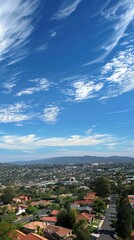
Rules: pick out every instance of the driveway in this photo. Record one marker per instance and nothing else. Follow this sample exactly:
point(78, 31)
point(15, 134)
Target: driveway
point(106, 231)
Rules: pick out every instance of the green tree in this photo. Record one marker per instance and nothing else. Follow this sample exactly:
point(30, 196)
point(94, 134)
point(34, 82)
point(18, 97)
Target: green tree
point(67, 218)
point(102, 187)
point(8, 195)
point(123, 224)
point(99, 206)
point(7, 231)
point(82, 230)
point(31, 210)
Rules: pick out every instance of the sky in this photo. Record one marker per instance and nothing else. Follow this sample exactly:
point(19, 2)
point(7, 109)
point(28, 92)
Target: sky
point(66, 78)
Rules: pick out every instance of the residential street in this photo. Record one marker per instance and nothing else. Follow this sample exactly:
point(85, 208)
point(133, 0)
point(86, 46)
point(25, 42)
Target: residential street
point(31, 218)
point(106, 231)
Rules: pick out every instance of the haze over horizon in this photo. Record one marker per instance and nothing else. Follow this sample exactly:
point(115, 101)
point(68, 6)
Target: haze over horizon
point(67, 78)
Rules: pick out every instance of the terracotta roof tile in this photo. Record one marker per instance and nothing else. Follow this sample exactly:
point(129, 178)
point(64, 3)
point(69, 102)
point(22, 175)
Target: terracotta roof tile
point(49, 219)
point(33, 225)
point(55, 212)
point(60, 231)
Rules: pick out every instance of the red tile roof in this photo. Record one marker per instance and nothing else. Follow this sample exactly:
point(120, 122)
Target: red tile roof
point(33, 225)
point(49, 219)
point(30, 236)
point(55, 212)
point(34, 236)
point(60, 231)
point(84, 202)
point(85, 216)
point(20, 235)
point(132, 235)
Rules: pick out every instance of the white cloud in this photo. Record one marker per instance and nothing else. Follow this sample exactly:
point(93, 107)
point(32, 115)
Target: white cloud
point(42, 48)
point(66, 9)
point(121, 16)
point(16, 25)
point(42, 84)
point(53, 34)
point(13, 113)
point(119, 73)
point(83, 88)
point(8, 86)
point(50, 114)
point(31, 141)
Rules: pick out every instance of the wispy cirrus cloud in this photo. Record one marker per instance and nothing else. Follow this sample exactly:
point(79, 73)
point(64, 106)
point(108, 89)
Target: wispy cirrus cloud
point(122, 15)
point(119, 17)
point(14, 113)
point(82, 88)
point(42, 48)
point(8, 86)
point(50, 114)
point(16, 26)
point(28, 142)
point(41, 84)
point(119, 73)
point(66, 9)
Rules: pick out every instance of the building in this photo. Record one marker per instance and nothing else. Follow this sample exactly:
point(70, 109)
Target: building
point(33, 226)
point(49, 220)
point(131, 200)
point(21, 199)
point(54, 213)
point(57, 232)
point(30, 236)
point(85, 216)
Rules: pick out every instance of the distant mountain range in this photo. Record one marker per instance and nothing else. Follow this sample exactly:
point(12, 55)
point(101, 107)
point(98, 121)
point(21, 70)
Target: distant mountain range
point(77, 160)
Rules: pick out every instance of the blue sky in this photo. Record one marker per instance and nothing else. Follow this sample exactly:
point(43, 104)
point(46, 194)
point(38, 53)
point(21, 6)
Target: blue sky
point(66, 78)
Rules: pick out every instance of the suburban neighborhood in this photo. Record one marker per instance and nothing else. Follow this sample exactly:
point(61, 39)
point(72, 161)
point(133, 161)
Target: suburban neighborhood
point(74, 206)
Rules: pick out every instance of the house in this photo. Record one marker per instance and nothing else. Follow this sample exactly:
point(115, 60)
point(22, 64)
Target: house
point(85, 216)
point(20, 235)
point(49, 220)
point(54, 213)
point(21, 199)
point(90, 196)
point(21, 209)
point(32, 226)
point(41, 202)
point(84, 202)
point(132, 235)
point(57, 232)
point(30, 236)
point(75, 205)
point(131, 200)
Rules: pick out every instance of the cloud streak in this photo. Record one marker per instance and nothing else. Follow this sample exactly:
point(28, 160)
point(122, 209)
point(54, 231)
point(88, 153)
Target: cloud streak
point(66, 9)
point(41, 84)
point(15, 28)
point(119, 17)
point(31, 141)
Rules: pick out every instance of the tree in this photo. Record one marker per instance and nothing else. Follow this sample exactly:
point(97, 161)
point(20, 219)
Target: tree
point(99, 206)
point(7, 231)
point(31, 210)
point(102, 187)
point(123, 224)
point(82, 230)
point(8, 195)
point(67, 218)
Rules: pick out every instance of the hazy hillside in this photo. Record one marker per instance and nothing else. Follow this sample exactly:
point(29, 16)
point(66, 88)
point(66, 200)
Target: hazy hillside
point(77, 160)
